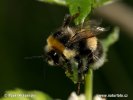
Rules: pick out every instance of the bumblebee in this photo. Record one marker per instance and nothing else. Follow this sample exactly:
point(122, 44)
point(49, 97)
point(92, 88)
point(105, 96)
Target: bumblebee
point(77, 44)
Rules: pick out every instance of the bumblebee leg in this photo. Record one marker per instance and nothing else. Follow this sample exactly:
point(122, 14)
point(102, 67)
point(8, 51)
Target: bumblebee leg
point(80, 74)
point(68, 18)
point(89, 60)
point(78, 87)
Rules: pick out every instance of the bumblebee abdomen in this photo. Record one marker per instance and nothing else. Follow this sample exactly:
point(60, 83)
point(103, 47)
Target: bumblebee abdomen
point(99, 50)
point(90, 54)
point(91, 43)
point(96, 59)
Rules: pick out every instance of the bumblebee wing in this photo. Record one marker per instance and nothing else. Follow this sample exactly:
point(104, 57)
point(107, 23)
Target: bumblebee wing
point(91, 23)
point(85, 34)
point(88, 29)
point(80, 35)
point(94, 26)
point(97, 30)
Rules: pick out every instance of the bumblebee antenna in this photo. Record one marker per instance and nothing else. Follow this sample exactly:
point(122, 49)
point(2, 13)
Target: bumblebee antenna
point(34, 57)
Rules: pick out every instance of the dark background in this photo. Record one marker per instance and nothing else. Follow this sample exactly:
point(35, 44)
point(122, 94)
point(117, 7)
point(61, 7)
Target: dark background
point(24, 27)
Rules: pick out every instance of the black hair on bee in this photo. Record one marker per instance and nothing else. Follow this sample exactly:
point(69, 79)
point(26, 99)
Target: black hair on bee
point(78, 44)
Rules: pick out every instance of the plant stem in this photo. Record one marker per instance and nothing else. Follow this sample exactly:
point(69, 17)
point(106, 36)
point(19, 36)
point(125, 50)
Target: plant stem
point(89, 85)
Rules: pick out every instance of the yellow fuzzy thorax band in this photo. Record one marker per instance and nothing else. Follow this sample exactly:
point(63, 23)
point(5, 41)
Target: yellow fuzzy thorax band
point(54, 43)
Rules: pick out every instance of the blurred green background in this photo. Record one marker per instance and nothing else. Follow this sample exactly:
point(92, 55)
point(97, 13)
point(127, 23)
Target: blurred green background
point(24, 27)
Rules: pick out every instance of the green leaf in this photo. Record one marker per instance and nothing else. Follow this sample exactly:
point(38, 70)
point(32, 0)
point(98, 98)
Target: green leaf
point(74, 76)
point(59, 2)
point(111, 39)
point(19, 94)
point(79, 6)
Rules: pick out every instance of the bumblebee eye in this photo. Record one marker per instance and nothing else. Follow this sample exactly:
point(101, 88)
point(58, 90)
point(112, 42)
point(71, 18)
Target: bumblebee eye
point(53, 56)
point(57, 34)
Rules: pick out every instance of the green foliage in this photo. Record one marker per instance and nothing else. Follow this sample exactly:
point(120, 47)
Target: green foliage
point(74, 76)
point(79, 6)
point(19, 94)
point(59, 2)
point(84, 7)
point(111, 39)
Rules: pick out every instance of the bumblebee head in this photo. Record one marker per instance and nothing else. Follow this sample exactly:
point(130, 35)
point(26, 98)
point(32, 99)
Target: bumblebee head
point(52, 57)
point(53, 49)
